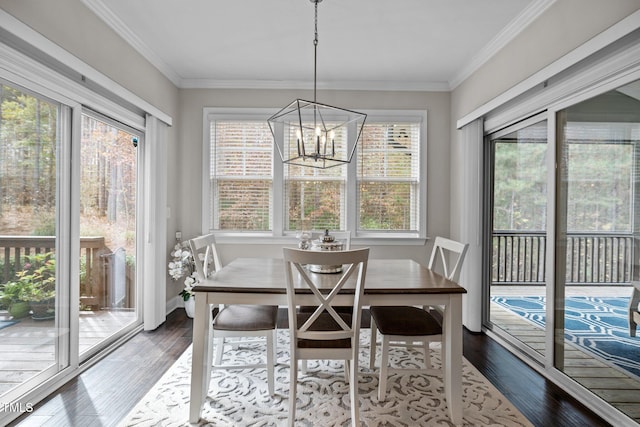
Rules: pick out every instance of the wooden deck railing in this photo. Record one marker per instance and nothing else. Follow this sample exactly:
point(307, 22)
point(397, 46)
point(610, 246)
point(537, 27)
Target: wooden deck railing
point(15, 252)
point(592, 258)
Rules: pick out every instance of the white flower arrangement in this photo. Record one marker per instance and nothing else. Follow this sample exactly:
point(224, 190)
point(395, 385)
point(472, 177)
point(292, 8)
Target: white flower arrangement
point(182, 265)
point(189, 283)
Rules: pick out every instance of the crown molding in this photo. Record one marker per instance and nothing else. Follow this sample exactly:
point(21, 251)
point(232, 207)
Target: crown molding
point(33, 44)
point(290, 84)
point(623, 60)
point(515, 27)
point(100, 8)
point(103, 12)
point(535, 9)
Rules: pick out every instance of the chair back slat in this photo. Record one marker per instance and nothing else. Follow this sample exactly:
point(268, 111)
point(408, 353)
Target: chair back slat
point(451, 255)
point(205, 255)
point(324, 287)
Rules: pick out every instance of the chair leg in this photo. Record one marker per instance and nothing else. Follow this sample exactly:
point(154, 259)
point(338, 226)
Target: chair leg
point(347, 368)
point(384, 369)
point(275, 346)
point(293, 385)
point(209, 356)
point(353, 391)
point(270, 361)
point(304, 366)
point(372, 346)
point(427, 354)
point(219, 350)
point(443, 353)
point(632, 325)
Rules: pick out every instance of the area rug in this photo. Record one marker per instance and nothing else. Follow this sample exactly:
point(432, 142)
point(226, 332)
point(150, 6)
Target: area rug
point(599, 325)
point(7, 323)
point(242, 399)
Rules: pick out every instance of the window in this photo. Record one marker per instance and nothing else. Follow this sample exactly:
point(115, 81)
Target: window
point(380, 194)
point(241, 175)
point(315, 198)
point(389, 177)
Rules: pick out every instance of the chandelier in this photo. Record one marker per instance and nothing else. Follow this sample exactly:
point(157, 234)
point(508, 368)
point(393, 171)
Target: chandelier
point(312, 134)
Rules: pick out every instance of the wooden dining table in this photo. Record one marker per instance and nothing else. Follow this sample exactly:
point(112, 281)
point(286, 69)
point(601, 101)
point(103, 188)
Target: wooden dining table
point(388, 282)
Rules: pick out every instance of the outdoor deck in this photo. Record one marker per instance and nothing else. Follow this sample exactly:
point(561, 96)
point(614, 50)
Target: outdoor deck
point(619, 389)
point(28, 346)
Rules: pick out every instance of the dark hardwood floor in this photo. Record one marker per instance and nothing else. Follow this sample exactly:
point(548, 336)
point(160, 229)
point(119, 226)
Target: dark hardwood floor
point(105, 393)
point(540, 400)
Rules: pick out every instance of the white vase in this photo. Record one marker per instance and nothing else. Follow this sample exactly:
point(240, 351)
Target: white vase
point(190, 306)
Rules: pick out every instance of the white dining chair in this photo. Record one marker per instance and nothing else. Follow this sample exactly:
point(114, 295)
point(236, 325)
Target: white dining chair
point(324, 333)
point(409, 326)
point(237, 320)
point(345, 238)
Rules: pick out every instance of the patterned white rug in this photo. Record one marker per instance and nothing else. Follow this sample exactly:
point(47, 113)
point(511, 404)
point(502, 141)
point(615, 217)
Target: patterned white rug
point(241, 397)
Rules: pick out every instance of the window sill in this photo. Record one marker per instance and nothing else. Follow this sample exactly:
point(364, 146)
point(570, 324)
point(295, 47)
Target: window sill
point(268, 239)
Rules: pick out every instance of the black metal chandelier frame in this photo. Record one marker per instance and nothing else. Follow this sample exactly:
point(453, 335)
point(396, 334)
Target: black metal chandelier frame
point(316, 126)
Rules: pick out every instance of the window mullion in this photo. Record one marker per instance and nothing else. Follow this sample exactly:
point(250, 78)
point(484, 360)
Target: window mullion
point(352, 186)
point(278, 189)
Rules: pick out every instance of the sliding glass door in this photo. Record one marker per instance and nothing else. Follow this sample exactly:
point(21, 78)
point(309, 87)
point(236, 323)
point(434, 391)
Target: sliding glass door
point(31, 332)
point(54, 186)
point(564, 241)
point(108, 183)
point(519, 205)
point(596, 259)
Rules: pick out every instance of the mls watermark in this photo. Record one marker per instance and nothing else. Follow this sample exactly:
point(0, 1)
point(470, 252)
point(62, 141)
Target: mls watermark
point(16, 407)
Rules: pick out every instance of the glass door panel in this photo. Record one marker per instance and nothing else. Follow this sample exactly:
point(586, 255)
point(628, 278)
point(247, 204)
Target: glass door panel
point(29, 151)
point(519, 193)
point(107, 232)
point(597, 221)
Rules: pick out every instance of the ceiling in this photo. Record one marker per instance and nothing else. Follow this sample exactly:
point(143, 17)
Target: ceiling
point(363, 44)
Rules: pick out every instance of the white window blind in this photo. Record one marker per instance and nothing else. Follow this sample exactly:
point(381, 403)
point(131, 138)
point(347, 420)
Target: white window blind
point(389, 177)
point(381, 194)
point(241, 175)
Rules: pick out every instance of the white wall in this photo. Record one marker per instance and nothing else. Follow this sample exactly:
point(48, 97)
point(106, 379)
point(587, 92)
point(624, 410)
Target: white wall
point(192, 102)
point(564, 26)
point(71, 25)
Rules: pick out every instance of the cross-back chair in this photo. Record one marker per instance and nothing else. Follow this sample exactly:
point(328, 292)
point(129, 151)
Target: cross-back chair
point(345, 238)
point(325, 333)
point(404, 326)
point(257, 321)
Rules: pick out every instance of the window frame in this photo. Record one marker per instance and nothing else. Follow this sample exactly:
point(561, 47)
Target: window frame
point(278, 234)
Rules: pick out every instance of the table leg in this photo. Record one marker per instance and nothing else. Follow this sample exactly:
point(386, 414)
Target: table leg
point(201, 357)
point(452, 349)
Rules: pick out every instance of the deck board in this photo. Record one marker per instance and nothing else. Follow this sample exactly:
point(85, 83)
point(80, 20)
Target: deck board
point(28, 346)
